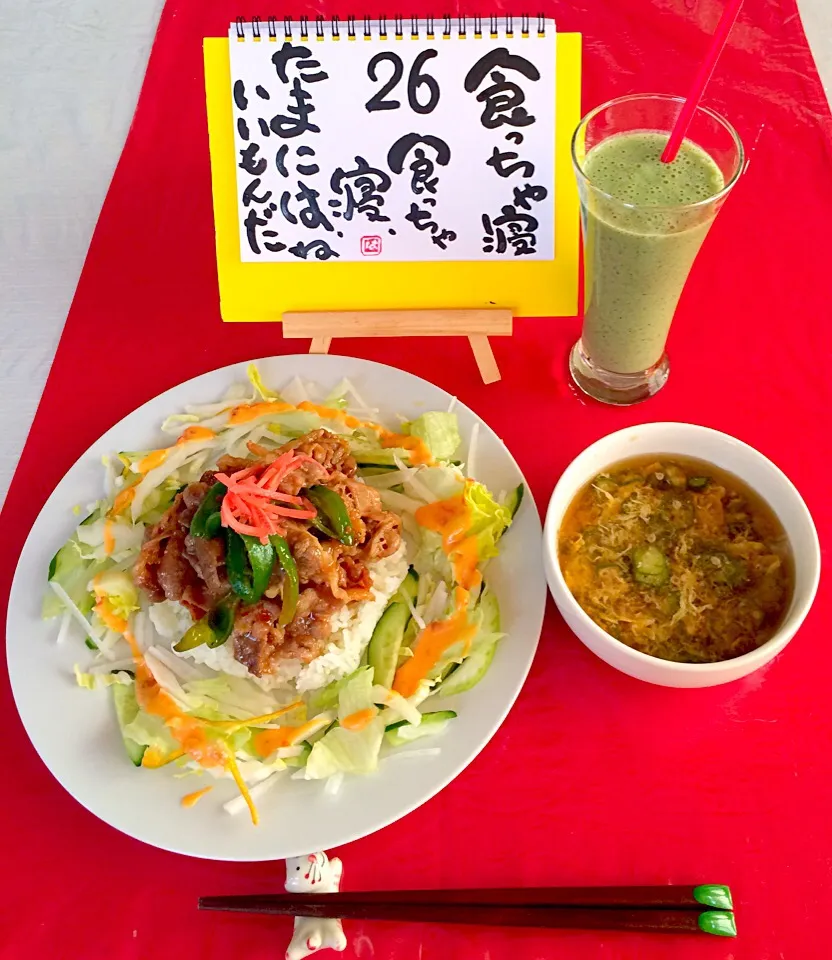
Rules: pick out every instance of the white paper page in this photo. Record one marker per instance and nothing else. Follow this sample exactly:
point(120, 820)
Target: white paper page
point(335, 165)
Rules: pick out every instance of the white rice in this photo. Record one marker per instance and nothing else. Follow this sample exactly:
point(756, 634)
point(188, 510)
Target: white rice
point(352, 629)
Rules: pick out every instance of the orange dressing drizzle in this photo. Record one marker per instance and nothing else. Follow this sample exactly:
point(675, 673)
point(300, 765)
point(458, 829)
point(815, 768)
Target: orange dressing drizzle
point(109, 538)
point(360, 719)
point(433, 641)
point(245, 412)
point(152, 460)
point(464, 559)
point(451, 519)
point(189, 732)
point(157, 457)
point(106, 615)
point(191, 798)
point(419, 453)
point(332, 413)
point(267, 741)
point(194, 433)
point(123, 499)
point(153, 757)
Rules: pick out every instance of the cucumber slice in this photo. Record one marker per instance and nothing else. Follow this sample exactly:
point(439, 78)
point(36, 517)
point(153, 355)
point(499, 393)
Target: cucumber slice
point(409, 586)
point(127, 709)
point(402, 732)
point(489, 607)
point(514, 499)
point(469, 673)
point(386, 641)
point(380, 458)
point(377, 471)
point(383, 651)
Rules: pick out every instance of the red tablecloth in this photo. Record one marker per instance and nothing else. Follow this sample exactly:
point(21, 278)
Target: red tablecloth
point(594, 777)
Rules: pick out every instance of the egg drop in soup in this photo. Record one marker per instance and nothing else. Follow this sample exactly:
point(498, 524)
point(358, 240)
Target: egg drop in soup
point(678, 559)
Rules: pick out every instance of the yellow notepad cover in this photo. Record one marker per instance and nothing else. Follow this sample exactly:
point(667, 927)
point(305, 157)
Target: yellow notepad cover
point(263, 291)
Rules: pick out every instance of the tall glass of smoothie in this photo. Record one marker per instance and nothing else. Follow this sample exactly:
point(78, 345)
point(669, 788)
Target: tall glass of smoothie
point(643, 224)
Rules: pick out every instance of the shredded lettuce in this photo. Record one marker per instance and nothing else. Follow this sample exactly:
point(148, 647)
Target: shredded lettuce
point(117, 587)
point(229, 698)
point(346, 751)
point(174, 423)
point(96, 681)
point(327, 697)
point(150, 731)
point(490, 519)
point(126, 539)
point(177, 457)
point(438, 431)
point(72, 572)
point(294, 423)
point(356, 694)
point(442, 481)
point(256, 381)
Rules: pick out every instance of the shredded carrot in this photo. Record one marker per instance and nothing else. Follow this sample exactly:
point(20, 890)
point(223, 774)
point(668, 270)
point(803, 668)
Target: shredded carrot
point(234, 770)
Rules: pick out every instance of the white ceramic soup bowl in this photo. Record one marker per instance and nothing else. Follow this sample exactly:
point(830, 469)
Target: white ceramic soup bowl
point(686, 440)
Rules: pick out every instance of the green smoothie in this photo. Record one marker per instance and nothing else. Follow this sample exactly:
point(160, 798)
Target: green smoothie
point(638, 257)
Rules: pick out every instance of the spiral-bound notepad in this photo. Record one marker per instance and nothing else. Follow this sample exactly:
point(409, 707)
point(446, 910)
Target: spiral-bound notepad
point(368, 141)
point(408, 163)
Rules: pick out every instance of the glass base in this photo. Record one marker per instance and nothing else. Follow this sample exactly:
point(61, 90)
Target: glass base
point(618, 388)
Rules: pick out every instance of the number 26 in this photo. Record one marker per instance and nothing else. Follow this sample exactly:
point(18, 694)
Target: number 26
point(415, 80)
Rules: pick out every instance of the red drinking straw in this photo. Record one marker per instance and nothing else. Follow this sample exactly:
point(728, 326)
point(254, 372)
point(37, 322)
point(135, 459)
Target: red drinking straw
point(703, 75)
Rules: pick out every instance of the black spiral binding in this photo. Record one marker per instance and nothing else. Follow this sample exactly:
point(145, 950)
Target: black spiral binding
point(459, 26)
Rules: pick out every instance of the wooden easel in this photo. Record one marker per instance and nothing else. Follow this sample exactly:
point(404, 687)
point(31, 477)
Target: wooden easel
point(477, 325)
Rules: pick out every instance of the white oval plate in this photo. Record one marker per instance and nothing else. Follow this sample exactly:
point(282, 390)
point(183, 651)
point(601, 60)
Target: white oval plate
point(75, 732)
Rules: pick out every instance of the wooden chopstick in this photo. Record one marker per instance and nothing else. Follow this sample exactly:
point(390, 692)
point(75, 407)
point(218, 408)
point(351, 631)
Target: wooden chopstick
point(679, 897)
point(505, 908)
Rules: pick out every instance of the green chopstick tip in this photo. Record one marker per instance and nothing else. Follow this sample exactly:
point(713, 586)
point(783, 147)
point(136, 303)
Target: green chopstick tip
point(718, 922)
point(715, 895)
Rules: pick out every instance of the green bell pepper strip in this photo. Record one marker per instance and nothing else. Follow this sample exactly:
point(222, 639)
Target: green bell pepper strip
point(214, 628)
point(249, 565)
point(334, 511)
point(203, 524)
point(291, 584)
point(198, 634)
point(213, 525)
point(221, 620)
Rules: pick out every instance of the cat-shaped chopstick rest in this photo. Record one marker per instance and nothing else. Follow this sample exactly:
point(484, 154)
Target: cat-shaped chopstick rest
point(315, 873)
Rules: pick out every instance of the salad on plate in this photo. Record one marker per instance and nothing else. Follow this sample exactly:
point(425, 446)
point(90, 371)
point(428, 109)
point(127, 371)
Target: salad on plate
point(281, 590)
